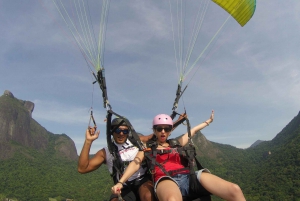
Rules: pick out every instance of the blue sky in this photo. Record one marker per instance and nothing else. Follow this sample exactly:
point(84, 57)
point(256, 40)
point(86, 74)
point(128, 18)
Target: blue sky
point(250, 76)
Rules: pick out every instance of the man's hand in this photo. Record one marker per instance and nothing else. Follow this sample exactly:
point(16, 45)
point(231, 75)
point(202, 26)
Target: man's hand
point(91, 134)
point(182, 116)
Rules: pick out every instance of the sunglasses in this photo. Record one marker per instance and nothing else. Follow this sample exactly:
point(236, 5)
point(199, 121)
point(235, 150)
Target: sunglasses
point(159, 129)
point(125, 131)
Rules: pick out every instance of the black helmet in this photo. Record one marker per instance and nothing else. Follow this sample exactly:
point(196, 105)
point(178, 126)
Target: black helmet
point(116, 121)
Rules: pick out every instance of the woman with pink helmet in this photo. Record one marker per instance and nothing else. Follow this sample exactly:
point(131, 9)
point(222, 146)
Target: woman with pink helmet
point(170, 175)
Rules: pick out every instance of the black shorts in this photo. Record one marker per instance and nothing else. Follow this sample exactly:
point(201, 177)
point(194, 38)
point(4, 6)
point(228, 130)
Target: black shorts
point(130, 192)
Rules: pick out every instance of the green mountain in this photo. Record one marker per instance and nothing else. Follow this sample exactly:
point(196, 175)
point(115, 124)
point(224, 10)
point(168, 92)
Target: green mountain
point(268, 171)
point(36, 164)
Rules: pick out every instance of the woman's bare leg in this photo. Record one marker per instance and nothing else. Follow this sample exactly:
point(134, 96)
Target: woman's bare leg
point(221, 188)
point(168, 190)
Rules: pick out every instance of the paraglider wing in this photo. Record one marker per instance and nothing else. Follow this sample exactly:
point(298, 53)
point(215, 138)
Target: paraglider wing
point(240, 10)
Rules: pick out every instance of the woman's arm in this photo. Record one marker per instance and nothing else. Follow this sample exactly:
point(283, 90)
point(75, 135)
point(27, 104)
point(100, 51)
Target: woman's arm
point(130, 170)
point(184, 139)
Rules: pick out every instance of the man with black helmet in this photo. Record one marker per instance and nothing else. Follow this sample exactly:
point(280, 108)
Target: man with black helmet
point(139, 186)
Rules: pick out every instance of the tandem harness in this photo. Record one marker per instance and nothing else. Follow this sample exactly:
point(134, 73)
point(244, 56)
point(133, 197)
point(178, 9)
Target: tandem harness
point(119, 165)
point(187, 155)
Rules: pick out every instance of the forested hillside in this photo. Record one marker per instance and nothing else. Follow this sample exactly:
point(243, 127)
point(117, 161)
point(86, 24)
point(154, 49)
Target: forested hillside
point(38, 165)
point(36, 177)
point(268, 171)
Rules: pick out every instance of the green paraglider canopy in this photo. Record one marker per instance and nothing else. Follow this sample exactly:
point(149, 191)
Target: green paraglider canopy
point(240, 10)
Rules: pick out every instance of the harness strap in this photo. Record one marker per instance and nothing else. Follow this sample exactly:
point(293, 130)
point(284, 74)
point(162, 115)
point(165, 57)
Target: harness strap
point(164, 151)
point(108, 133)
point(102, 83)
point(178, 95)
point(153, 160)
point(181, 119)
point(174, 172)
point(136, 181)
point(116, 159)
point(118, 166)
point(92, 119)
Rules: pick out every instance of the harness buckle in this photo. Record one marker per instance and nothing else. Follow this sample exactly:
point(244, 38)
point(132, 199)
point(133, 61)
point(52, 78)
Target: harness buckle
point(160, 151)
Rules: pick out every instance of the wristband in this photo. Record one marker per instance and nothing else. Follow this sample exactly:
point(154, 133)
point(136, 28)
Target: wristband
point(206, 123)
point(121, 183)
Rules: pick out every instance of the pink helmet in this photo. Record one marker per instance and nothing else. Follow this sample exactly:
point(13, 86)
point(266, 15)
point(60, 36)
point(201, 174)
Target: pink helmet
point(162, 119)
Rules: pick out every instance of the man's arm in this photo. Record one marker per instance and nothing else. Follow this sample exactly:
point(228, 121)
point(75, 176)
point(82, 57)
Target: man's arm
point(85, 164)
point(146, 138)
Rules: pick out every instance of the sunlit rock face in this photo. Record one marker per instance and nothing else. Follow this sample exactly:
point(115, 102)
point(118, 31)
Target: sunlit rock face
point(19, 129)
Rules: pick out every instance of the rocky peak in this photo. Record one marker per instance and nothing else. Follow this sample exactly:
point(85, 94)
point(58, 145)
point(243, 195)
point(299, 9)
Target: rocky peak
point(8, 93)
point(17, 127)
point(27, 104)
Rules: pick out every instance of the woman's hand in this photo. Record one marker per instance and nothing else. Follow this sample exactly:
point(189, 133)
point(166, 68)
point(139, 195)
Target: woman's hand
point(212, 116)
point(116, 189)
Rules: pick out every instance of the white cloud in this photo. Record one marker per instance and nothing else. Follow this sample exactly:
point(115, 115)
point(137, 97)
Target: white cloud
point(60, 112)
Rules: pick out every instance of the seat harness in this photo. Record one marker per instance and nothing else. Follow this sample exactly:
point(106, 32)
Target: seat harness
point(188, 159)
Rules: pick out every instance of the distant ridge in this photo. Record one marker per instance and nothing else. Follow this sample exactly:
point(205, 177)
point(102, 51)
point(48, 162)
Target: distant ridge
point(257, 142)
